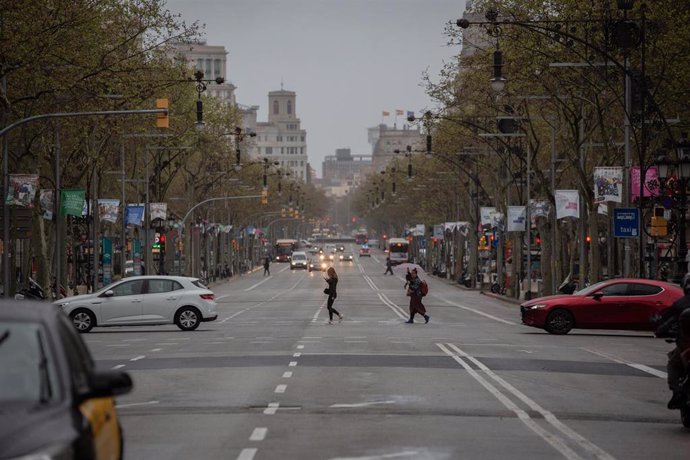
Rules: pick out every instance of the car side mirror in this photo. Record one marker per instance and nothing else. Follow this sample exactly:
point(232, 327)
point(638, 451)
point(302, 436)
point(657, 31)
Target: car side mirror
point(598, 295)
point(108, 293)
point(108, 383)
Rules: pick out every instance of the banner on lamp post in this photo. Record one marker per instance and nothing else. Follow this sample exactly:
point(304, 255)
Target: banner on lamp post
point(108, 209)
point(21, 190)
point(134, 215)
point(567, 204)
point(608, 184)
point(651, 182)
point(485, 214)
point(158, 210)
point(46, 200)
point(517, 218)
point(72, 202)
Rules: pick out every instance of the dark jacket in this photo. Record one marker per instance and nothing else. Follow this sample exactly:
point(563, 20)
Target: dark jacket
point(669, 320)
point(332, 283)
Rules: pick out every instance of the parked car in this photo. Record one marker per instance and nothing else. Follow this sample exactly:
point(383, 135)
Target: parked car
point(298, 260)
point(627, 304)
point(346, 257)
point(364, 251)
point(54, 403)
point(143, 300)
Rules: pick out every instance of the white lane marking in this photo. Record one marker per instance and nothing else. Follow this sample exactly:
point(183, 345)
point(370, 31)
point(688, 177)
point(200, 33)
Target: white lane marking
point(305, 337)
point(364, 404)
point(137, 358)
point(553, 440)
point(280, 388)
point(247, 454)
point(640, 367)
point(356, 341)
point(134, 340)
point(259, 434)
point(297, 355)
point(292, 363)
point(167, 343)
point(353, 338)
point(370, 282)
point(148, 403)
point(118, 345)
point(591, 448)
point(407, 453)
point(315, 318)
point(495, 318)
point(287, 375)
point(258, 284)
point(118, 366)
point(272, 408)
point(156, 349)
point(397, 310)
point(300, 347)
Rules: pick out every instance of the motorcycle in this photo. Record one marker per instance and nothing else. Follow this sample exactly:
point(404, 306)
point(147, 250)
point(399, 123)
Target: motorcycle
point(34, 291)
point(465, 279)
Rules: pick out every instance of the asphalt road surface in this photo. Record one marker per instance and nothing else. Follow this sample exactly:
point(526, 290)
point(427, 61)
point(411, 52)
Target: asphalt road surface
point(271, 380)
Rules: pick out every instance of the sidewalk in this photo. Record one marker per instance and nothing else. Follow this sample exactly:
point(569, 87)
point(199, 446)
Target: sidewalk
point(480, 290)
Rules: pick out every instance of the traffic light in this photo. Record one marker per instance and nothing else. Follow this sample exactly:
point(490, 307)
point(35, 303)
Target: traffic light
point(659, 223)
point(537, 239)
point(162, 119)
point(161, 242)
point(282, 212)
point(264, 196)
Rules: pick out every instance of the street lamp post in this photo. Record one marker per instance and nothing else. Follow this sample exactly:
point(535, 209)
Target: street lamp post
point(678, 191)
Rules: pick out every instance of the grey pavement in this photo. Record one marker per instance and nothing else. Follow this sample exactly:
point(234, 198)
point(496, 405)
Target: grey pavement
point(271, 380)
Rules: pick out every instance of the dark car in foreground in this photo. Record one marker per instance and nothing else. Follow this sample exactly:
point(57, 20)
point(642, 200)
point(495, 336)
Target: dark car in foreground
point(626, 304)
point(53, 403)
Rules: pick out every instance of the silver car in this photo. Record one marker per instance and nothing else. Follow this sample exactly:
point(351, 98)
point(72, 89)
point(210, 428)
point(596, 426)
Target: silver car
point(143, 300)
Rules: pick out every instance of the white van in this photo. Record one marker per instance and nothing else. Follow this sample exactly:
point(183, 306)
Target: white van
point(299, 260)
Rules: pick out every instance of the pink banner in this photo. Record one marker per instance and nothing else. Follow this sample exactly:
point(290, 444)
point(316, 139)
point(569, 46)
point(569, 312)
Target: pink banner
point(651, 183)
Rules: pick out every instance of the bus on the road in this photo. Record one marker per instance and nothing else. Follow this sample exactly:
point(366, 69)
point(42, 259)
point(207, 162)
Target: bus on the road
point(398, 250)
point(284, 249)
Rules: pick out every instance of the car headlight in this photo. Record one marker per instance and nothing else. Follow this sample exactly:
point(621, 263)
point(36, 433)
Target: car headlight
point(536, 306)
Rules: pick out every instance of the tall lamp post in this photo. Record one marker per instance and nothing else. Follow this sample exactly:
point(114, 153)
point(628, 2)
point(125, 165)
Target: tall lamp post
point(679, 192)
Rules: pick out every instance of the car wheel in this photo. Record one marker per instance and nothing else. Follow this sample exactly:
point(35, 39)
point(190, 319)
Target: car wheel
point(83, 320)
point(559, 322)
point(187, 318)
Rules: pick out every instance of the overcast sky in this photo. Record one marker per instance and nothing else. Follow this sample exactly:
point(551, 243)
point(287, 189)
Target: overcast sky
point(347, 60)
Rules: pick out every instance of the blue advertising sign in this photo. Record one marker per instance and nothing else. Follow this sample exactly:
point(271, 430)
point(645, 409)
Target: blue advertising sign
point(626, 222)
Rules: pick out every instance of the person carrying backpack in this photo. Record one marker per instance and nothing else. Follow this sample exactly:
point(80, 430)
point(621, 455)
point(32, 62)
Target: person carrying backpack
point(416, 290)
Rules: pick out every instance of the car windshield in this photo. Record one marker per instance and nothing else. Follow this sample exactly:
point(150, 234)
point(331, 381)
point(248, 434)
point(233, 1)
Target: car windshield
point(299, 257)
point(27, 370)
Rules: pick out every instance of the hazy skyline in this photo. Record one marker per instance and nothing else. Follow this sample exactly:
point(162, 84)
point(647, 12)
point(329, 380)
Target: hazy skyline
point(347, 60)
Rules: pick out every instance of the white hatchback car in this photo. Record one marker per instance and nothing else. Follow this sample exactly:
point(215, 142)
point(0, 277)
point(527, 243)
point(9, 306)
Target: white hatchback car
point(143, 300)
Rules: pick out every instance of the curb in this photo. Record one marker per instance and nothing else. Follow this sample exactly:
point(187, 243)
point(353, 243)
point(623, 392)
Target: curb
point(501, 297)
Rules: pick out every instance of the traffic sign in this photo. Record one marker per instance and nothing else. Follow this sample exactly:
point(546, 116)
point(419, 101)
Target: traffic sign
point(626, 222)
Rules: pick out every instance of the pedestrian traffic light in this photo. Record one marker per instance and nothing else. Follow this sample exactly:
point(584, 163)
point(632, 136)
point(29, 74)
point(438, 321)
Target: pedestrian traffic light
point(161, 242)
point(162, 119)
point(537, 239)
point(264, 196)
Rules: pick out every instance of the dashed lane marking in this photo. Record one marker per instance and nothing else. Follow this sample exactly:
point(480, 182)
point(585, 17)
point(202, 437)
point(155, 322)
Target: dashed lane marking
point(247, 454)
point(272, 408)
point(259, 434)
point(287, 374)
point(147, 403)
point(156, 349)
point(280, 388)
point(292, 363)
point(118, 366)
point(137, 358)
point(300, 347)
point(297, 355)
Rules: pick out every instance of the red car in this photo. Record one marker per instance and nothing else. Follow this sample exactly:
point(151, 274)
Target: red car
point(364, 252)
point(629, 304)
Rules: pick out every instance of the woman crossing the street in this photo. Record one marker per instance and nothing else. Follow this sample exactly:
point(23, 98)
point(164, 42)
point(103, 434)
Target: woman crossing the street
point(332, 281)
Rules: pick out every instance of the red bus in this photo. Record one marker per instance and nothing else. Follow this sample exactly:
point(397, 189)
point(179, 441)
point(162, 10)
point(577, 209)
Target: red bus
point(284, 249)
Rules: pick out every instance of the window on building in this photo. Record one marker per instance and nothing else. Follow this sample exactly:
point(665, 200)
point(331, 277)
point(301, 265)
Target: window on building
point(200, 64)
point(216, 68)
point(289, 107)
point(301, 150)
point(282, 150)
point(269, 150)
point(301, 163)
point(279, 138)
point(208, 71)
point(302, 138)
point(275, 107)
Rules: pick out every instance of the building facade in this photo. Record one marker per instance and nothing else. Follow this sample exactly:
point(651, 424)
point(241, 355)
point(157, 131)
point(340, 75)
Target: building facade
point(388, 140)
point(281, 138)
point(344, 167)
point(212, 61)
